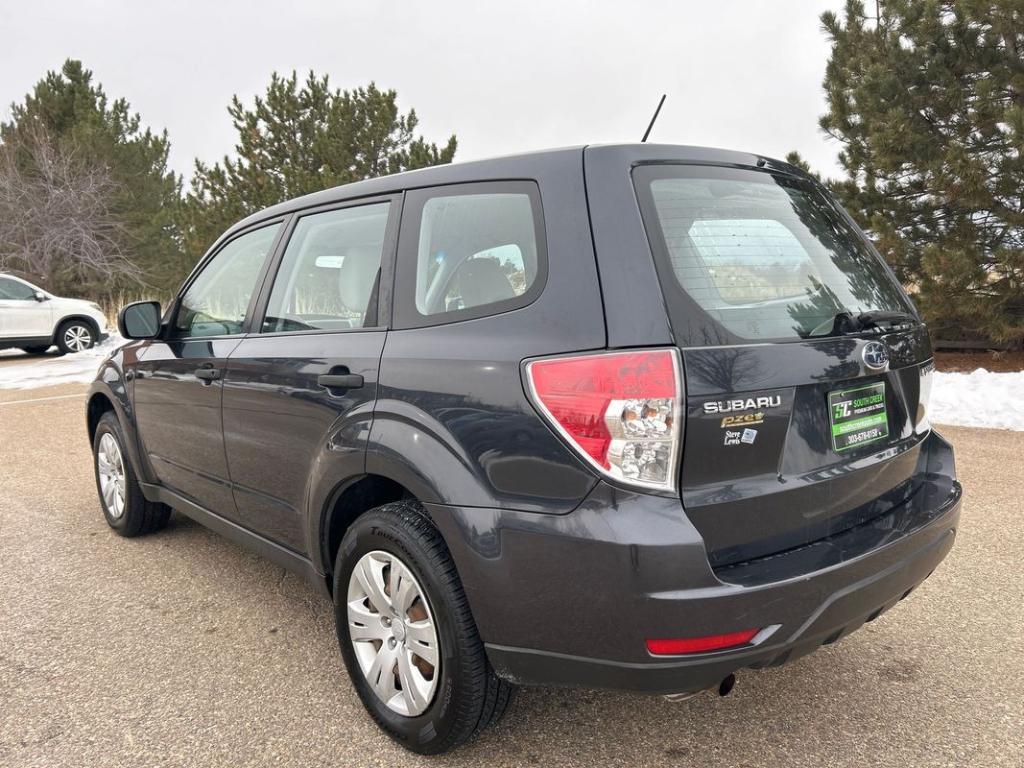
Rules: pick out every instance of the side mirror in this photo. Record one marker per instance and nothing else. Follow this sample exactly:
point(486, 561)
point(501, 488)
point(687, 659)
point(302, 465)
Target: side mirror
point(40, 296)
point(140, 320)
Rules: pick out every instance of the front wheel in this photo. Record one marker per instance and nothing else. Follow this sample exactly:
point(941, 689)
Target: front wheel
point(75, 336)
point(125, 508)
point(406, 633)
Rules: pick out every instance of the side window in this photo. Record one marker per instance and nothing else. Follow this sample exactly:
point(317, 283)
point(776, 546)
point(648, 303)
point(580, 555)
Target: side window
point(329, 270)
point(478, 251)
point(217, 300)
point(12, 289)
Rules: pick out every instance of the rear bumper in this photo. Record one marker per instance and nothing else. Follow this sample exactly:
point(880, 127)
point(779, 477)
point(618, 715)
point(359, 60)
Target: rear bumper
point(843, 611)
point(570, 599)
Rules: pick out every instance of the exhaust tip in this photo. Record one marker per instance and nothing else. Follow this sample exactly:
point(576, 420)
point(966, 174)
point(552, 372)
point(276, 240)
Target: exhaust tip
point(727, 684)
point(724, 689)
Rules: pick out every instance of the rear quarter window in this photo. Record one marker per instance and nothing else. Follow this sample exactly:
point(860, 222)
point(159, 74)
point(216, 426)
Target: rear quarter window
point(469, 250)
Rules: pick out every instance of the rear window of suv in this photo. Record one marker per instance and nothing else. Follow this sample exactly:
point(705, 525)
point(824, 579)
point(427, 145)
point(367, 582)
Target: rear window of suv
point(748, 255)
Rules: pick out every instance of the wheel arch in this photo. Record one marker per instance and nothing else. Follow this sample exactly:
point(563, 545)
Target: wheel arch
point(405, 459)
point(348, 501)
point(98, 404)
point(109, 393)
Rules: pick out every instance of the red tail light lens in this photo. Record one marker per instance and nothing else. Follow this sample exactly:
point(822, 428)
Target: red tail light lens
point(621, 411)
point(679, 646)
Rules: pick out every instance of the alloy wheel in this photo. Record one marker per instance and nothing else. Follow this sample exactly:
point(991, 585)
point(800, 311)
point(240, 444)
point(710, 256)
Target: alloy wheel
point(77, 338)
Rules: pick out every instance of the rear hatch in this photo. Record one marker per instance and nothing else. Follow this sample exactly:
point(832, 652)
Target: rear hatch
point(804, 361)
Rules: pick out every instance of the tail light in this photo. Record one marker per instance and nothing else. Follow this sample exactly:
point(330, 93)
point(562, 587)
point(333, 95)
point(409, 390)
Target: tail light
point(621, 411)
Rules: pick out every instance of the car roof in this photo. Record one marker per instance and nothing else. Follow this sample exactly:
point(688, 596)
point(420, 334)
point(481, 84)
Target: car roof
point(450, 173)
point(507, 167)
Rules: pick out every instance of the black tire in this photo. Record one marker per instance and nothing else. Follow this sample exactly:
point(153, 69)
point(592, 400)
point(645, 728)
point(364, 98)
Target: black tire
point(36, 350)
point(81, 329)
point(469, 695)
point(138, 515)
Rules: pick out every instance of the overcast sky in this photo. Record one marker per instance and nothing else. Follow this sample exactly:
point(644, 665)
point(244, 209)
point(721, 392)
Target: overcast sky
point(504, 77)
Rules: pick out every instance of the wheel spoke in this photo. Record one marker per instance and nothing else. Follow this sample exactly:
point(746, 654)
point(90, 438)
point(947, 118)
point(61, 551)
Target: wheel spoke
point(370, 573)
point(382, 673)
point(422, 640)
point(403, 588)
point(415, 696)
point(363, 624)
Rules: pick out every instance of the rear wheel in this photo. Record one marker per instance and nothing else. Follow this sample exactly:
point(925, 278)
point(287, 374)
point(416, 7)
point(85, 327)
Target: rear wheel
point(75, 336)
point(407, 635)
point(127, 511)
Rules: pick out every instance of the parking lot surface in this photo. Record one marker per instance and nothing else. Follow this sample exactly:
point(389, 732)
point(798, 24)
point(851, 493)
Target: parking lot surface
point(185, 649)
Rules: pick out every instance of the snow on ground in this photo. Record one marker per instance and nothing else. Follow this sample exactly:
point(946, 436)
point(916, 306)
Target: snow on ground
point(21, 371)
point(977, 399)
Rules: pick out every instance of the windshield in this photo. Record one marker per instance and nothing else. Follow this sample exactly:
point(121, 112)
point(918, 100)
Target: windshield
point(751, 255)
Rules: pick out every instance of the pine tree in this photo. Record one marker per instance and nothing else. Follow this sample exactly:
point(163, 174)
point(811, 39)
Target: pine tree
point(927, 100)
point(301, 138)
point(103, 137)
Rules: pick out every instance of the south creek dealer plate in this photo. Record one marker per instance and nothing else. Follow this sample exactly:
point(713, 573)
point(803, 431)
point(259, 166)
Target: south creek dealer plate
point(858, 416)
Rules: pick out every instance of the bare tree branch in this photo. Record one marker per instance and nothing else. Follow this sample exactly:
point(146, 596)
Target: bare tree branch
point(55, 213)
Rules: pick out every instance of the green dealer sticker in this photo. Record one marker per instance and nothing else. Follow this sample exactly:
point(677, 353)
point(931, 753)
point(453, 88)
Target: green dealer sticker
point(858, 416)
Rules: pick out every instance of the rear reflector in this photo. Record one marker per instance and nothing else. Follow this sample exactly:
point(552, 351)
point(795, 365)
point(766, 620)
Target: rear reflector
point(678, 646)
point(620, 411)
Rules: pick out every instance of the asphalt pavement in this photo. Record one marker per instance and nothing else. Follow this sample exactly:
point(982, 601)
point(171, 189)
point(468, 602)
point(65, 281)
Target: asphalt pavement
point(184, 649)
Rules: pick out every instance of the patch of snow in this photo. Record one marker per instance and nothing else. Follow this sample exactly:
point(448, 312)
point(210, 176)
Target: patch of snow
point(50, 369)
point(978, 399)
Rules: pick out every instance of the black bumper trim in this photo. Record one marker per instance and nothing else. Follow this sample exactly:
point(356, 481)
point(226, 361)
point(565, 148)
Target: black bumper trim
point(917, 513)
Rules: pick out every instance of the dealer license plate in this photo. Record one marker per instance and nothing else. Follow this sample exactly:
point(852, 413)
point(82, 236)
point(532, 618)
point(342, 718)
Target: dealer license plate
point(858, 416)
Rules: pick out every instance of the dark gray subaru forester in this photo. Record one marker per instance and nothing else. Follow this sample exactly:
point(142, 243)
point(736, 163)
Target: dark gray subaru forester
point(619, 416)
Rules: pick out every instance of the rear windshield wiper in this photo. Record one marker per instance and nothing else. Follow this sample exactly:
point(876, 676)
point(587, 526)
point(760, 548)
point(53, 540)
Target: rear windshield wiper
point(846, 322)
point(875, 317)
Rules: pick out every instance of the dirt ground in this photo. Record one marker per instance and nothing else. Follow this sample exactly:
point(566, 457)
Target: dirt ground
point(182, 649)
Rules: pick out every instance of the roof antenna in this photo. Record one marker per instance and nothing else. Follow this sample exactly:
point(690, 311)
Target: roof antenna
point(651, 124)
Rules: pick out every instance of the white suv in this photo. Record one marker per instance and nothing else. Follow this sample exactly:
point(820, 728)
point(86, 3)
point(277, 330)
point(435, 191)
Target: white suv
point(35, 320)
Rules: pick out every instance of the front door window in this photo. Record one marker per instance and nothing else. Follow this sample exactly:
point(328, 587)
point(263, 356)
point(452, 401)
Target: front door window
point(216, 302)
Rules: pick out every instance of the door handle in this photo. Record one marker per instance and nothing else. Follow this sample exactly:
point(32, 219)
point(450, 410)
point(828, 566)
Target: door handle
point(208, 374)
point(339, 381)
